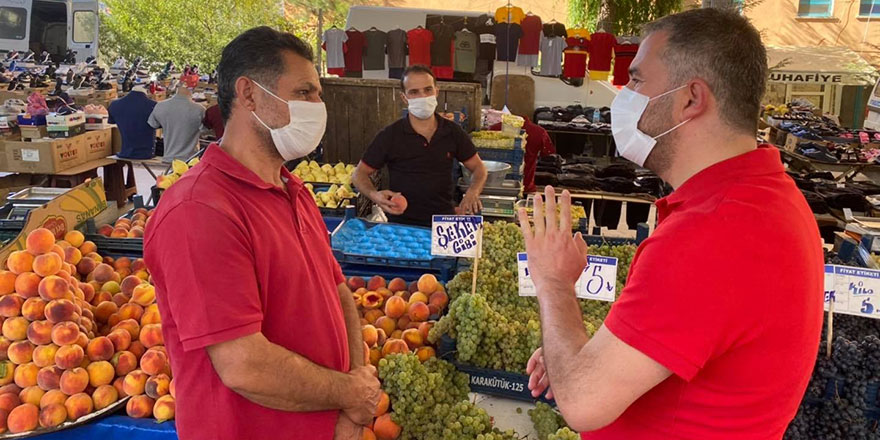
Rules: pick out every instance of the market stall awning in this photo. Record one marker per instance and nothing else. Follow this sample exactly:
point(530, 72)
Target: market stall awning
point(819, 65)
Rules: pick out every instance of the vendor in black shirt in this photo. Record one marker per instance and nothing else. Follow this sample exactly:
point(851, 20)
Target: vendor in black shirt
point(419, 150)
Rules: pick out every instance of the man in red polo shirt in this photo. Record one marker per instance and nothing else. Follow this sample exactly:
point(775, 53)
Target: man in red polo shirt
point(716, 332)
point(263, 335)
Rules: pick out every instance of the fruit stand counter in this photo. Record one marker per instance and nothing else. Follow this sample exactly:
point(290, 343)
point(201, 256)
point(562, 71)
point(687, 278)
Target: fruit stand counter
point(117, 428)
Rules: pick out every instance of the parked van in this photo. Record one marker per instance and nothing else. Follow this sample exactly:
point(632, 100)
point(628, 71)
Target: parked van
point(55, 26)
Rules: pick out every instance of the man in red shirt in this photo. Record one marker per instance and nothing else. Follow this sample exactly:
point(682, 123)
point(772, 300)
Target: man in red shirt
point(538, 144)
point(263, 335)
point(716, 332)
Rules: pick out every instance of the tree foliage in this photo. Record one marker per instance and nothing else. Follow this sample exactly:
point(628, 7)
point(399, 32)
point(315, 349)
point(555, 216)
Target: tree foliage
point(620, 17)
point(188, 32)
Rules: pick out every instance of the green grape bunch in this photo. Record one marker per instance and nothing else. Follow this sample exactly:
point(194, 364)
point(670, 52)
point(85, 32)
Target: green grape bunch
point(496, 328)
point(546, 420)
point(430, 401)
point(564, 434)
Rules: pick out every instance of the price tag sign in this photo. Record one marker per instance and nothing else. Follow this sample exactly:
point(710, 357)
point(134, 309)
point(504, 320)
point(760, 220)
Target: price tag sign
point(455, 235)
point(526, 286)
point(854, 290)
point(599, 280)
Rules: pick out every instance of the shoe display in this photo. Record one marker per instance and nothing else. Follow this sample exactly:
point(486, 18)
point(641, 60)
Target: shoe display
point(91, 61)
point(11, 55)
point(69, 57)
point(45, 58)
point(69, 78)
point(28, 57)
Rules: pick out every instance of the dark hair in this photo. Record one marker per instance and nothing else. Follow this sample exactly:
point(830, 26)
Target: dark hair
point(256, 53)
point(725, 50)
point(416, 68)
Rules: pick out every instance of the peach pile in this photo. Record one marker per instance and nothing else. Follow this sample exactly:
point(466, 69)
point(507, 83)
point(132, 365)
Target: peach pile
point(76, 329)
point(396, 318)
point(128, 228)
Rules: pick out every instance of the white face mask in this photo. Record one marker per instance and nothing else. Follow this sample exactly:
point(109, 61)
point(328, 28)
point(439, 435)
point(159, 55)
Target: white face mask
point(304, 131)
point(422, 108)
point(626, 111)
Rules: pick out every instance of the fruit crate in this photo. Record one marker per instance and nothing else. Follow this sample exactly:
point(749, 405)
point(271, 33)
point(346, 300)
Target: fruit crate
point(487, 381)
point(443, 267)
point(513, 157)
point(131, 247)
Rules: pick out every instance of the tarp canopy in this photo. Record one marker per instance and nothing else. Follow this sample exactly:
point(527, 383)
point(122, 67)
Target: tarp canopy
point(819, 65)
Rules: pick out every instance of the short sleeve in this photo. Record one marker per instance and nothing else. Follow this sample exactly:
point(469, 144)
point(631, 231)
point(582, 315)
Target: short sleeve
point(681, 311)
point(110, 119)
point(153, 120)
point(377, 152)
point(464, 146)
point(209, 303)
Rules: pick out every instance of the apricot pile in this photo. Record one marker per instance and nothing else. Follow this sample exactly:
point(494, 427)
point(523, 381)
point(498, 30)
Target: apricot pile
point(75, 327)
point(128, 228)
point(396, 318)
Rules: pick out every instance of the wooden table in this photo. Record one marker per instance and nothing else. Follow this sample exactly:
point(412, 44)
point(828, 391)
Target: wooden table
point(116, 187)
point(145, 163)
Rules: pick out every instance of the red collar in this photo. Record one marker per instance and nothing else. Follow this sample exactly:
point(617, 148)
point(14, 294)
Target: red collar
point(761, 161)
point(220, 159)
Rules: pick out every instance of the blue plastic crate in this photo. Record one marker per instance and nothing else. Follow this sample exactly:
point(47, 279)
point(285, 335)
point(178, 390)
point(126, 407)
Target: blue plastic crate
point(351, 246)
point(487, 381)
point(513, 157)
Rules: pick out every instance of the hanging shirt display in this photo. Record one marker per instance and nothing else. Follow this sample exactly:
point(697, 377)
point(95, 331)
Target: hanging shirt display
point(531, 35)
point(395, 46)
point(507, 36)
point(486, 30)
point(441, 47)
point(623, 57)
point(374, 54)
point(575, 58)
point(355, 53)
point(333, 41)
point(601, 47)
point(466, 48)
point(554, 29)
point(513, 14)
point(551, 55)
point(419, 42)
point(578, 33)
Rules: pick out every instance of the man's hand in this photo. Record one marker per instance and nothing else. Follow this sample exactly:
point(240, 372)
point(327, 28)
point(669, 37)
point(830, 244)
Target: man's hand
point(365, 394)
point(470, 204)
point(383, 199)
point(556, 259)
point(537, 371)
point(346, 429)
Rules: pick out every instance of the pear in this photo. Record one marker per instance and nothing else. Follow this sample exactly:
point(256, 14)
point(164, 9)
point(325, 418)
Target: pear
point(193, 162)
point(314, 165)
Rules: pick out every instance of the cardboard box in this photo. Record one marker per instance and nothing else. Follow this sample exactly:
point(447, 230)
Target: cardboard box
point(27, 119)
point(61, 131)
point(791, 142)
point(45, 157)
point(82, 100)
point(18, 94)
point(98, 144)
point(62, 215)
point(106, 95)
point(54, 120)
point(31, 132)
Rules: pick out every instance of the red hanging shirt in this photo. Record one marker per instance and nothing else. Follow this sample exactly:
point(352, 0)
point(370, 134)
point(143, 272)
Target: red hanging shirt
point(623, 57)
point(735, 314)
point(354, 54)
point(530, 42)
point(419, 41)
point(601, 46)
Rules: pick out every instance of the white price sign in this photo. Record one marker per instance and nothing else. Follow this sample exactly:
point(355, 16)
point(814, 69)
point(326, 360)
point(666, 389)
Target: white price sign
point(455, 235)
point(597, 282)
point(854, 290)
point(526, 286)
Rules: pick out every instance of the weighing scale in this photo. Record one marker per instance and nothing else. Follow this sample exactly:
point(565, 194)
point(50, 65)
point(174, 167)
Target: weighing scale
point(498, 201)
